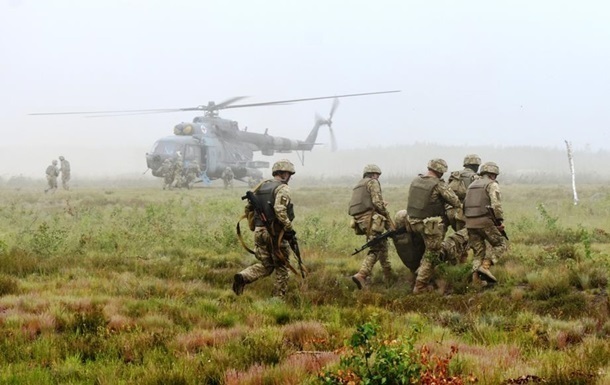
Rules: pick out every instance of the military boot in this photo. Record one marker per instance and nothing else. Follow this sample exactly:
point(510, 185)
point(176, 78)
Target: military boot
point(359, 280)
point(420, 286)
point(484, 272)
point(238, 284)
point(476, 280)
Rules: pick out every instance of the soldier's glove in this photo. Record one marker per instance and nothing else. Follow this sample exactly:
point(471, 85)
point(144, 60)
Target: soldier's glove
point(501, 225)
point(289, 235)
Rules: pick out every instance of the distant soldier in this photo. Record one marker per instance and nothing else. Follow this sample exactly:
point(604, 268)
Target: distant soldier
point(273, 196)
point(481, 194)
point(167, 171)
point(65, 172)
point(227, 177)
point(428, 195)
point(178, 169)
point(459, 182)
point(52, 173)
point(370, 217)
point(192, 172)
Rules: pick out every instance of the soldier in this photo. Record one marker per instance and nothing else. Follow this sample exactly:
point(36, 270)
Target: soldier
point(167, 171)
point(273, 196)
point(52, 172)
point(459, 182)
point(227, 177)
point(410, 250)
point(481, 194)
point(65, 173)
point(370, 218)
point(428, 195)
point(178, 168)
point(192, 172)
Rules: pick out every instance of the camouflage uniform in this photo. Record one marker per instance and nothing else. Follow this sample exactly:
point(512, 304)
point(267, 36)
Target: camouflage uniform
point(410, 249)
point(459, 182)
point(428, 195)
point(227, 177)
point(192, 173)
point(482, 193)
point(167, 171)
point(52, 172)
point(65, 173)
point(370, 218)
point(266, 245)
point(454, 248)
point(178, 169)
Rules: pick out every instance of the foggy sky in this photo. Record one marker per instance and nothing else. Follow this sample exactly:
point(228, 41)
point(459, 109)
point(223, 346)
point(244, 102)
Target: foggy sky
point(472, 73)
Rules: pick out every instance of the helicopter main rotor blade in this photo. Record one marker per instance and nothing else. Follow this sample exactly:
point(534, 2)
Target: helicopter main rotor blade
point(308, 99)
point(210, 106)
point(154, 110)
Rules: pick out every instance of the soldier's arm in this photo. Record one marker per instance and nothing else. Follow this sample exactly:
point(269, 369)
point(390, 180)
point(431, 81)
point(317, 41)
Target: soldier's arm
point(448, 195)
point(493, 189)
point(282, 200)
point(374, 189)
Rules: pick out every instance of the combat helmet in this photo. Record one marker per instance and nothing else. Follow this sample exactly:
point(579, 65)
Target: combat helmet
point(438, 165)
point(489, 168)
point(61, 157)
point(283, 165)
point(472, 159)
point(371, 169)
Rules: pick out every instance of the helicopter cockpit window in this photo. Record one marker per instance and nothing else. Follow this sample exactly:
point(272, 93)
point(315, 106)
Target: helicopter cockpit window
point(164, 148)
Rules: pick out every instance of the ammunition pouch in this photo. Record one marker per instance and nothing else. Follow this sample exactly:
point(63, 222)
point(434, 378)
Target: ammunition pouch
point(378, 224)
point(433, 226)
point(354, 225)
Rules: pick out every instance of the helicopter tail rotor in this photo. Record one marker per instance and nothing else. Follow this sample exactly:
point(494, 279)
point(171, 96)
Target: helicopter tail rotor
point(320, 121)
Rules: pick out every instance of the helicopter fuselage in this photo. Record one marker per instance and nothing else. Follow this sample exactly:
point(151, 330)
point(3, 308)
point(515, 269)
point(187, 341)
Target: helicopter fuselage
point(216, 143)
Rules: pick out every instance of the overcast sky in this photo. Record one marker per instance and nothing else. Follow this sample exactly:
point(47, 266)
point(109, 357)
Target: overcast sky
point(471, 72)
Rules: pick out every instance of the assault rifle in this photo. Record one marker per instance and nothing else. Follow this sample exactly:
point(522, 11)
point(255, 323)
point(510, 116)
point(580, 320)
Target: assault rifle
point(496, 221)
point(268, 225)
point(381, 237)
point(294, 245)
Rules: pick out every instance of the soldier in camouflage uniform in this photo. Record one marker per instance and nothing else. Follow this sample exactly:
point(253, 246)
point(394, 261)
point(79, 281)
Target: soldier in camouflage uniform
point(273, 196)
point(428, 195)
point(227, 177)
point(167, 171)
point(482, 193)
point(192, 172)
point(370, 217)
point(52, 172)
point(178, 170)
point(459, 182)
point(65, 173)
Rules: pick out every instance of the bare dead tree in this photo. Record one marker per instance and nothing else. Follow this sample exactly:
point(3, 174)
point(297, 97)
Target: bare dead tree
point(571, 160)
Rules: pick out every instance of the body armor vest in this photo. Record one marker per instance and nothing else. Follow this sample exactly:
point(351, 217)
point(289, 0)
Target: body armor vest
point(361, 199)
point(467, 177)
point(477, 200)
point(265, 196)
point(419, 205)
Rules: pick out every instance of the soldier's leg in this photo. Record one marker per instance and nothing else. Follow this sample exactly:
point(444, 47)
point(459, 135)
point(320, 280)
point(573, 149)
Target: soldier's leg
point(480, 265)
point(281, 271)
point(264, 268)
point(432, 232)
point(497, 241)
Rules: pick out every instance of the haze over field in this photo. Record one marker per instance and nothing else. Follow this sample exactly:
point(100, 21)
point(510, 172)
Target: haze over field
point(475, 75)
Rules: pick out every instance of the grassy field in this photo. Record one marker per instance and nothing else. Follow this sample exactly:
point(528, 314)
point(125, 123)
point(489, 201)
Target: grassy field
point(120, 285)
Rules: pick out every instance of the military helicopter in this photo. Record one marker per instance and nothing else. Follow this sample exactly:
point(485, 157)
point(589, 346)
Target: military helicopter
point(215, 143)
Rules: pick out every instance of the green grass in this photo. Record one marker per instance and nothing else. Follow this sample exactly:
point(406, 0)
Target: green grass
point(133, 286)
